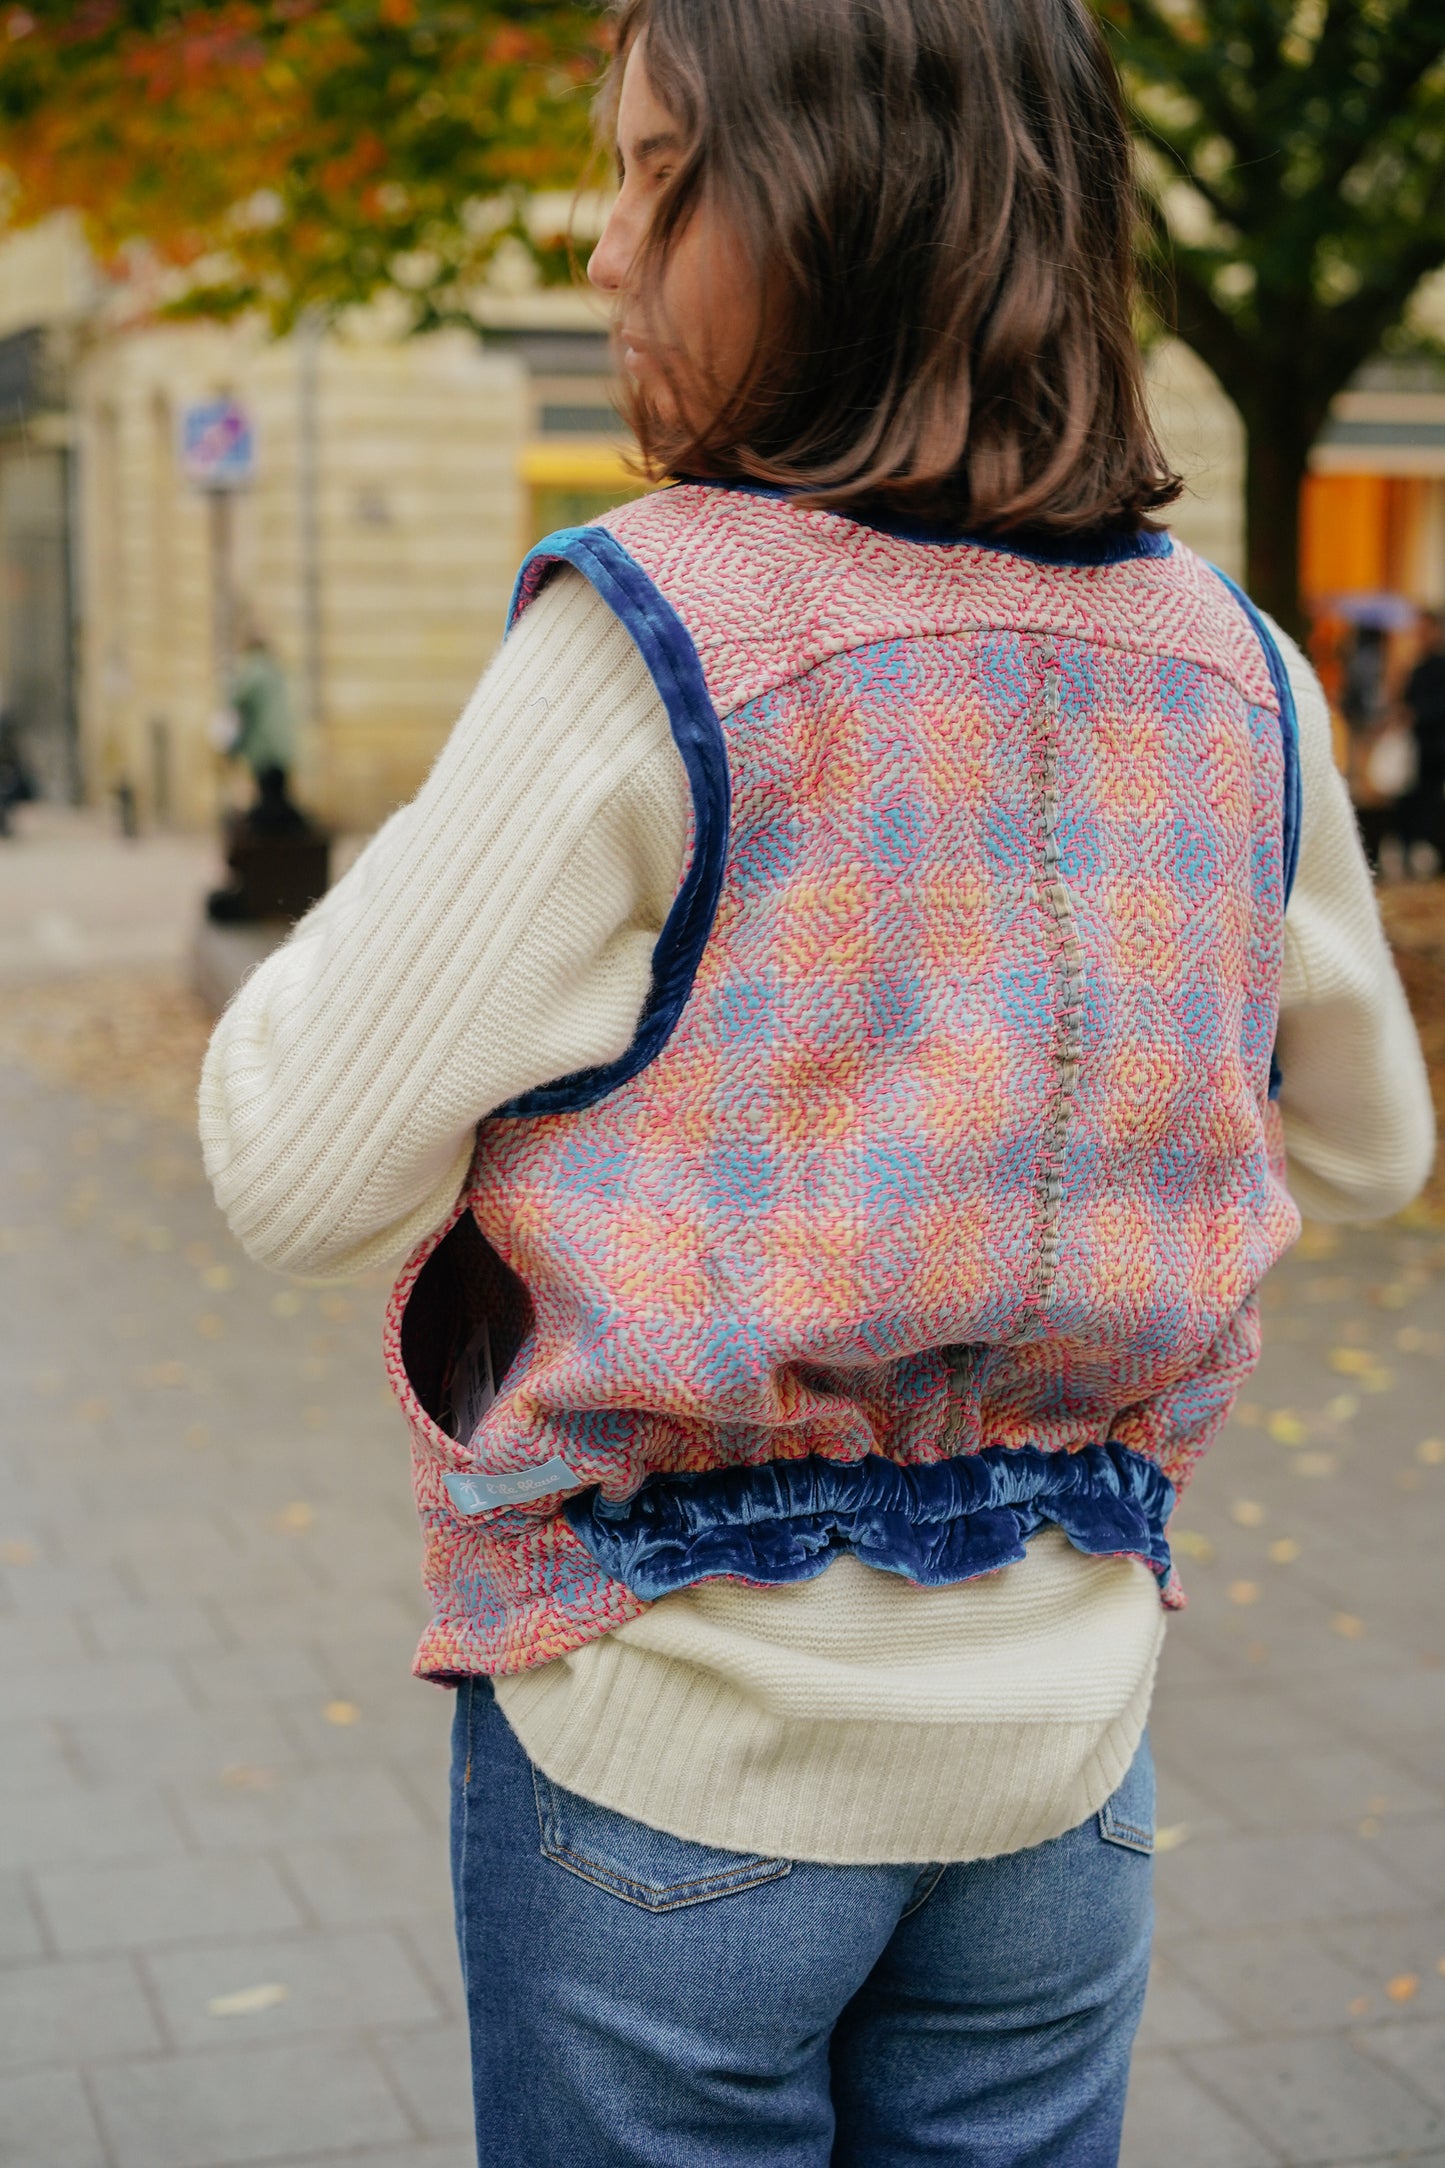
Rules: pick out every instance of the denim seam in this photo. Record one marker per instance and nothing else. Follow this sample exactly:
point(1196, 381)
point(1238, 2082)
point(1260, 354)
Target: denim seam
point(463, 1935)
point(1129, 1836)
point(663, 1896)
point(692, 1890)
point(920, 1901)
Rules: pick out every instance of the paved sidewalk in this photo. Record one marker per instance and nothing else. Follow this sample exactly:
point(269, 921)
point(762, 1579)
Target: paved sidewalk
point(224, 1932)
point(76, 896)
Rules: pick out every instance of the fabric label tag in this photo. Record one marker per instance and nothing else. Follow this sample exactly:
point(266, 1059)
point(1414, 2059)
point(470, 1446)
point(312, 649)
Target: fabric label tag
point(512, 1487)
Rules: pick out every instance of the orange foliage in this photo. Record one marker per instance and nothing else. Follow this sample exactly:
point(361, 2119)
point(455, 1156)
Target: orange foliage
point(299, 147)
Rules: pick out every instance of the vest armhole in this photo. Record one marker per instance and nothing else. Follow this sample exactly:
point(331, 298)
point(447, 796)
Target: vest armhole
point(1288, 729)
point(1289, 742)
point(672, 662)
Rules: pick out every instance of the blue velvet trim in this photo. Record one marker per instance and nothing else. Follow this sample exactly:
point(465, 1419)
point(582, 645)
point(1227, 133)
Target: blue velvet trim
point(949, 1521)
point(1289, 736)
point(672, 660)
point(1098, 547)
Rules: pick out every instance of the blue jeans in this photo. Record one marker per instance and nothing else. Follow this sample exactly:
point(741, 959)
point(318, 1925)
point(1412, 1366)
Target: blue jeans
point(637, 1999)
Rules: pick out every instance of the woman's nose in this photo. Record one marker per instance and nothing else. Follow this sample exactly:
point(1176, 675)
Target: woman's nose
point(607, 265)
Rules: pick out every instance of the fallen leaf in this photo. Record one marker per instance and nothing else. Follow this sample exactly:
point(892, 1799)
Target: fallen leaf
point(1407, 1479)
point(1370, 1826)
point(91, 1411)
point(1284, 1551)
point(198, 1434)
point(1173, 1834)
point(159, 1239)
point(248, 1776)
point(316, 1418)
point(297, 1515)
point(1378, 1805)
point(210, 1325)
point(219, 1278)
point(1243, 1592)
point(286, 1304)
point(1346, 1624)
point(341, 1712)
point(1192, 1545)
point(1286, 1428)
point(1247, 1511)
point(1314, 1464)
point(1257, 1653)
point(336, 1307)
point(1351, 1362)
point(1249, 1413)
point(1404, 1987)
point(1378, 1380)
point(167, 1373)
point(247, 2001)
point(18, 1554)
point(1342, 1407)
point(1430, 1452)
point(48, 1381)
point(1360, 2007)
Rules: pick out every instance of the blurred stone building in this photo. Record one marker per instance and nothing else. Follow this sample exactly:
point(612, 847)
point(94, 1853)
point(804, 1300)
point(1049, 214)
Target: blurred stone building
point(394, 486)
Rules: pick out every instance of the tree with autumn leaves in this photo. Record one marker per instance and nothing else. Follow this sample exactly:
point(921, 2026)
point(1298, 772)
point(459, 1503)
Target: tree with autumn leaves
point(300, 155)
point(306, 154)
point(1293, 160)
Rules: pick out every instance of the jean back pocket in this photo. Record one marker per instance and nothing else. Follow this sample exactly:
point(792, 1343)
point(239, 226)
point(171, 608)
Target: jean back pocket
point(646, 1867)
point(1127, 1816)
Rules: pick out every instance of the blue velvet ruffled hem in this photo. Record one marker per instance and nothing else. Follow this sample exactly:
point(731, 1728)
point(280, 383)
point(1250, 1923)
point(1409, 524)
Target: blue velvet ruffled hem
point(948, 1521)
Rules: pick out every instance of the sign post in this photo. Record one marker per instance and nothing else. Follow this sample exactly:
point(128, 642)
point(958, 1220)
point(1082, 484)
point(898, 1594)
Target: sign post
point(218, 455)
point(218, 445)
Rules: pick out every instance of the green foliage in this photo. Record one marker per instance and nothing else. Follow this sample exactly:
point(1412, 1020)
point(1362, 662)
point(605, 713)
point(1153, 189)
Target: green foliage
point(1293, 153)
point(301, 154)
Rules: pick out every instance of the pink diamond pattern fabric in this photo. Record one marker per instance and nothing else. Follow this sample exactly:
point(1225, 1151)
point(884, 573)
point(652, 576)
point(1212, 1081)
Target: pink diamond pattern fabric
point(956, 1154)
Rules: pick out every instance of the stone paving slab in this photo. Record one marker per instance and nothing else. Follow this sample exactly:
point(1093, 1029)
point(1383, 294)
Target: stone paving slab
point(216, 1773)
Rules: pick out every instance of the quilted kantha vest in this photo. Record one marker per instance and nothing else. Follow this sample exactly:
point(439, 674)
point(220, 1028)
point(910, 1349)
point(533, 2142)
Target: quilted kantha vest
point(929, 1203)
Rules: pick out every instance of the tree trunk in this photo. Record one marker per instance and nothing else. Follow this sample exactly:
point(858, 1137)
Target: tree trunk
point(1276, 461)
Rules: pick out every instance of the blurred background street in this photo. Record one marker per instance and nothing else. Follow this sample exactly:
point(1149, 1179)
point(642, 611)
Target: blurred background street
point(294, 366)
point(224, 1918)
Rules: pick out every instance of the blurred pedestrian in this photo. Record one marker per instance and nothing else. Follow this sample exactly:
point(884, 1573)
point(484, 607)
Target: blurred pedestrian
point(265, 735)
point(17, 785)
point(814, 1034)
point(1422, 700)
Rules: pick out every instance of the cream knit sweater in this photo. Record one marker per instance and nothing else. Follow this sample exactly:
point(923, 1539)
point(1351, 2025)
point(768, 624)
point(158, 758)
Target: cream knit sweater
point(497, 933)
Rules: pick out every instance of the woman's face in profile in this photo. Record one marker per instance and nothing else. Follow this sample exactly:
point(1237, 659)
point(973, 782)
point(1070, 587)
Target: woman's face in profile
point(687, 344)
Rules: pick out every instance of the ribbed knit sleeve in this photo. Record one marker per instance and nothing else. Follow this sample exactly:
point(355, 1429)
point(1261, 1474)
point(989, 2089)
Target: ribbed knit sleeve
point(495, 934)
point(1358, 1124)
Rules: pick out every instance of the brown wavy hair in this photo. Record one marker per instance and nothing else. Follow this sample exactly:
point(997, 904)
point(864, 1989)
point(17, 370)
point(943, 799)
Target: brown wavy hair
point(936, 200)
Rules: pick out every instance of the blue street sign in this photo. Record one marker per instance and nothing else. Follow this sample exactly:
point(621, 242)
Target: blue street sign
point(218, 445)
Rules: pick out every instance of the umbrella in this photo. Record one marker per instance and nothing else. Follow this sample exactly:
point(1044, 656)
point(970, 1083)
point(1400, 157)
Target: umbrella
point(1384, 612)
